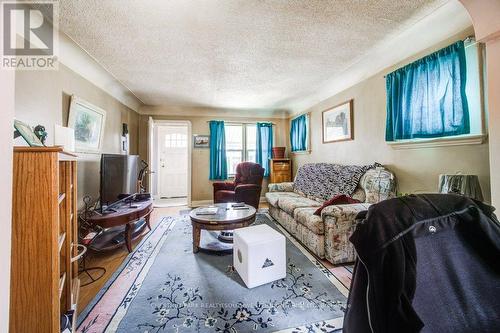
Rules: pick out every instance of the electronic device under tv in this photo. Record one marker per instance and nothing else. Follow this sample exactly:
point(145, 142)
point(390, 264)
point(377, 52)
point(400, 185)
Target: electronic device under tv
point(119, 175)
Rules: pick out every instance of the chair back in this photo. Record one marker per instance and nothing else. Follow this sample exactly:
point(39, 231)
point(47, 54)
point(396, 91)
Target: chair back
point(249, 173)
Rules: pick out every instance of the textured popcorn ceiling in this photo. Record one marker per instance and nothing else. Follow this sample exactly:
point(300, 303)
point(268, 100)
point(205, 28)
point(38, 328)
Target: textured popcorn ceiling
point(234, 54)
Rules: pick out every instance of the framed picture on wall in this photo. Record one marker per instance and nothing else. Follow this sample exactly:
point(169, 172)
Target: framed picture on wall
point(201, 141)
point(338, 123)
point(88, 122)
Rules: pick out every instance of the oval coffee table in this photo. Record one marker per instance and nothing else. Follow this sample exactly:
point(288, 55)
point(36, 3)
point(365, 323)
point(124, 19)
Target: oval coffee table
point(227, 218)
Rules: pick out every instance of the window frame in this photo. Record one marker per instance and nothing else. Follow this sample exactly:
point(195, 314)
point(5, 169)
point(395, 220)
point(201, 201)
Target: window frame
point(244, 151)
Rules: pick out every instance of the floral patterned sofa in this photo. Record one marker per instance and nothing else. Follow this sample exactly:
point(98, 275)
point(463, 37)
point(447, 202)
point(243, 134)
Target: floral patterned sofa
point(327, 235)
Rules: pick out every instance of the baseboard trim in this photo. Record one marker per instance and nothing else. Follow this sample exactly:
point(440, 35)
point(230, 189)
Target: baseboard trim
point(198, 203)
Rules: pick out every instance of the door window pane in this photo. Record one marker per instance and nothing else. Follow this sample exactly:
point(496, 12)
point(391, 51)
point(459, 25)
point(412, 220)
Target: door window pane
point(176, 140)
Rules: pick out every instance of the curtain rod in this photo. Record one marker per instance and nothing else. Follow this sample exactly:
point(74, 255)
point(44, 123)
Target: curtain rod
point(471, 39)
point(243, 122)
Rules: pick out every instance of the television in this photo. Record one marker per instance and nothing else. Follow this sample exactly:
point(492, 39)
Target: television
point(119, 175)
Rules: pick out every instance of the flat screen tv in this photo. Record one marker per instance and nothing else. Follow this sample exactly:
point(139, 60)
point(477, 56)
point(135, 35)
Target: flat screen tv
point(119, 175)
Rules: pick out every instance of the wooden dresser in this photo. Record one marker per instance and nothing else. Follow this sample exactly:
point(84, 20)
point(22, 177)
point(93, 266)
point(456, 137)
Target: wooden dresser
point(44, 281)
point(281, 170)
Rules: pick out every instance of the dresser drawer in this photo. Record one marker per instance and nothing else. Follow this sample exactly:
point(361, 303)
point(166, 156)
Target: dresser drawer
point(281, 178)
point(281, 166)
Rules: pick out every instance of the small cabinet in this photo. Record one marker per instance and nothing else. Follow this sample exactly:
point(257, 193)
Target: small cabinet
point(281, 170)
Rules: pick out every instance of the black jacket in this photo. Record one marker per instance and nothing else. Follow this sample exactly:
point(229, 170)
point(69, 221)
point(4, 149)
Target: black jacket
point(426, 262)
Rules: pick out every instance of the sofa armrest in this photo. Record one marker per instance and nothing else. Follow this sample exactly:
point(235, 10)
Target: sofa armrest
point(223, 186)
point(343, 214)
point(339, 223)
point(280, 187)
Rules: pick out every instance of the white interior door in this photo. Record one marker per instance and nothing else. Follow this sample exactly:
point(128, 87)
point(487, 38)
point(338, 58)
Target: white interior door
point(172, 164)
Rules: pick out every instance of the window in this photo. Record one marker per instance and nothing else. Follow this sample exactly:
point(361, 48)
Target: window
point(427, 100)
point(251, 139)
point(176, 140)
point(299, 133)
point(240, 144)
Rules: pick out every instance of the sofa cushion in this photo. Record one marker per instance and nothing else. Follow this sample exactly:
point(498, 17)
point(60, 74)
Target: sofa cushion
point(273, 197)
point(280, 187)
point(308, 219)
point(340, 199)
point(289, 204)
point(322, 181)
point(359, 194)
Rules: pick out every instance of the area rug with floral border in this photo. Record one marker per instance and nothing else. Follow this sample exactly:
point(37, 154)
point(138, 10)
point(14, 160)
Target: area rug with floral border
point(163, 287)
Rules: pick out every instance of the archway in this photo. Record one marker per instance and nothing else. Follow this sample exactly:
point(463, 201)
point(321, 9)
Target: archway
point(485, 15)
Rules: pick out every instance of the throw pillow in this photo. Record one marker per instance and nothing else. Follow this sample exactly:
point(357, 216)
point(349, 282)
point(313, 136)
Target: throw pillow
point(379, 184)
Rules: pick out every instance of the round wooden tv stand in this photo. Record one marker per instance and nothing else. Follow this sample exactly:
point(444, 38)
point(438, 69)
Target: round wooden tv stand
point(128, 215)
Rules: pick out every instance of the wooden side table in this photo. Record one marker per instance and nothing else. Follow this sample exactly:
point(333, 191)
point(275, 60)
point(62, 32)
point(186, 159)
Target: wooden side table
point(227, 218)
point(281, 170)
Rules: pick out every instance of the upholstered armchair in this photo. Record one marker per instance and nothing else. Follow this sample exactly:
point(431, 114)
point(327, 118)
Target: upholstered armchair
point(246, 187)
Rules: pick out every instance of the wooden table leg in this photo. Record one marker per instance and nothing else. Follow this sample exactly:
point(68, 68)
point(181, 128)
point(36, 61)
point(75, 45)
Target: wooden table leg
point(196, 238)
point(128, 237)
point(147, 218)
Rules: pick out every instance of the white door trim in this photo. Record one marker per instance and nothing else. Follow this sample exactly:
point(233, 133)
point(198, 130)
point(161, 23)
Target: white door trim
point(151, 163)
point(156, 122)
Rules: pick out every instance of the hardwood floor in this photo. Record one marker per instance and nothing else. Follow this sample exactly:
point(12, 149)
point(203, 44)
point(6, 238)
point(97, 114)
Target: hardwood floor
point(111, 261)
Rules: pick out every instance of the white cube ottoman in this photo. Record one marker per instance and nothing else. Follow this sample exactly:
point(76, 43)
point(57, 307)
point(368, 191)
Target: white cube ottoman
point(259, 255)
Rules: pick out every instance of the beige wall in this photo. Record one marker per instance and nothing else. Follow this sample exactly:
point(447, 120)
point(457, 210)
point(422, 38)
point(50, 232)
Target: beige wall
point(201, 186)
point(43, 97)
point(417, 170)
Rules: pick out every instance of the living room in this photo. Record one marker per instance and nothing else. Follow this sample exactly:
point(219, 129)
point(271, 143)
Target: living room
point(197, 166)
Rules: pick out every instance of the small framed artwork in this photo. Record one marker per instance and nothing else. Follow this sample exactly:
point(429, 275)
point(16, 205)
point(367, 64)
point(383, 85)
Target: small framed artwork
point(27, 133)
point(201, 141)
point(88, 122)
point(338, 123)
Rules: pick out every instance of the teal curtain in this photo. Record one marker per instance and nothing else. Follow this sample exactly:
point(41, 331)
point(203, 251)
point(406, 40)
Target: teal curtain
point(218, 162)
point(264, 146)
point(426, 99)
point(298, 133)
